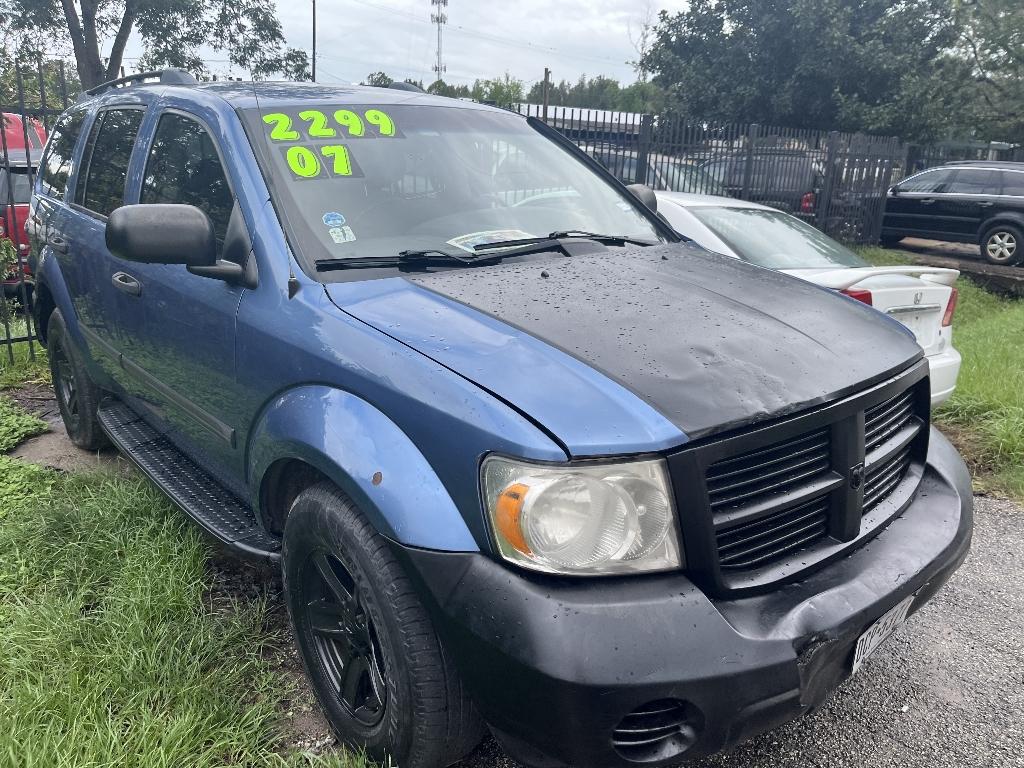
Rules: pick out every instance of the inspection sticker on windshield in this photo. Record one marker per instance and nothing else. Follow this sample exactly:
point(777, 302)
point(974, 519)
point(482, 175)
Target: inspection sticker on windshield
point(877, 633)
point(470, 241)
point(341, 234)
point(333, 219)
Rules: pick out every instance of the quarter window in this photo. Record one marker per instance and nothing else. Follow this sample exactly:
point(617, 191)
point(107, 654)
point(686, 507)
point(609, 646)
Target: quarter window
point(56, 165)
point(1013, 183)
point(975, 181)
point(184, 167)
point(109, 152)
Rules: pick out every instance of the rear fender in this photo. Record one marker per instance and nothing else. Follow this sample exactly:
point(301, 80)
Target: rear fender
point(366, 455)
point(1004, 217)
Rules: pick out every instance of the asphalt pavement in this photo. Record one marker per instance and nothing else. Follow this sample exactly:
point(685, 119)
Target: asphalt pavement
point(947, 690)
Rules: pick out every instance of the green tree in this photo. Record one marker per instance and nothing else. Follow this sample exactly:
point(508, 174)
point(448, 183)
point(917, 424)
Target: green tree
point(992, 42)
point(501, 90)
point(379, 79)
point(873, 65)
point(172, 31)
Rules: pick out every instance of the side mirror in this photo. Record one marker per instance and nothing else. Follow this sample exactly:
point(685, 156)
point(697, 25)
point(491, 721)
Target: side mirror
point(162, 234)
point(894, 190)
point(645, 195)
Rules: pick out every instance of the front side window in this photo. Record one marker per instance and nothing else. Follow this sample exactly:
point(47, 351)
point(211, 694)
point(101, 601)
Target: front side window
point(56, 165)
point(184, 167)
point(974, 181)
point(108, 153)
point(371, 181)
point(774, 239)
point(927, 182)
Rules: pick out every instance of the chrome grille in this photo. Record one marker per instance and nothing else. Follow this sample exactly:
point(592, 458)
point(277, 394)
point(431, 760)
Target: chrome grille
point(751, 544)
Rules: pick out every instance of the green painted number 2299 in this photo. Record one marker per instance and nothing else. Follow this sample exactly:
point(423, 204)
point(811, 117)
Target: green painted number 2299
point(319, 126)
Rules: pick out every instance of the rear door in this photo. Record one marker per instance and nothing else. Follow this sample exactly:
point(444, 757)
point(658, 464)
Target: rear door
point(969, 195)
point(80, 240)
point(912, 209)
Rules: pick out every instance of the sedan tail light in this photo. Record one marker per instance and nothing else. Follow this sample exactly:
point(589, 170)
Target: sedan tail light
point(860, 295)
point(807, 203)
point(947, 316)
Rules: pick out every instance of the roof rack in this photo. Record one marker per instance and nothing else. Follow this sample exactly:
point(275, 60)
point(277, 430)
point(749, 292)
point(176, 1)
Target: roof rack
point(998, 163)
point(170, 76)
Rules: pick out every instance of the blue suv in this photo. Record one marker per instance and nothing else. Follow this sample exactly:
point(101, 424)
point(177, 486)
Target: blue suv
point(528, 462)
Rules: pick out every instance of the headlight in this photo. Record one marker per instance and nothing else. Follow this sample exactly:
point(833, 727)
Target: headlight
point(583, 519)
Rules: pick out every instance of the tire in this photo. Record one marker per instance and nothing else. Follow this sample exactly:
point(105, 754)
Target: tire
point(77, 396)
point(1003, 244)
point(353, 607)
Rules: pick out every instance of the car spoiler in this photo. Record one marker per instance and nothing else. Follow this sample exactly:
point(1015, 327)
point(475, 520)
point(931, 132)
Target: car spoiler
point(841, 279)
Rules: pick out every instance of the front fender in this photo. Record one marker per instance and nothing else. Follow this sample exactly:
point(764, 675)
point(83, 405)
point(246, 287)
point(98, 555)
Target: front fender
point(368, 457)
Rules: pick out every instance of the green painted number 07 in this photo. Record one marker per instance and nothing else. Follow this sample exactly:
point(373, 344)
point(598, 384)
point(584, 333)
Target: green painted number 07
point(304, 163)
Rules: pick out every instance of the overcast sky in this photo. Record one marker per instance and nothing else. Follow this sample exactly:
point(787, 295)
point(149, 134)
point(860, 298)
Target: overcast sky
point(483, 38)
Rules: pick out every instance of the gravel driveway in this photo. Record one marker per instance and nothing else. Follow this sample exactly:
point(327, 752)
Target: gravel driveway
point(946, 690)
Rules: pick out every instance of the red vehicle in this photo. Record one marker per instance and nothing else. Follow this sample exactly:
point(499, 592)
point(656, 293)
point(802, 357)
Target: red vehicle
point(17, 159)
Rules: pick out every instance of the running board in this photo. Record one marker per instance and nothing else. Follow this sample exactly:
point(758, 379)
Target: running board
point(217, 511)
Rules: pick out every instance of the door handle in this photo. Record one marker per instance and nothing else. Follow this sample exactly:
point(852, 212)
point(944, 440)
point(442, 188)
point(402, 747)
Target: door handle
point(985, 204)
point(58, 243)
point(928, 201)
point(126, 283)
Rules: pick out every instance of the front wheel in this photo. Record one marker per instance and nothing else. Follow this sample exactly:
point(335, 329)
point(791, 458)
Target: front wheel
point(369, 647)
point(1002, 244)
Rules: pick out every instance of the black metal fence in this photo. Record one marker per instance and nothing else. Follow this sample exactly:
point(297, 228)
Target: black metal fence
point(922, 156)
point(836, 181)
point(31, 98)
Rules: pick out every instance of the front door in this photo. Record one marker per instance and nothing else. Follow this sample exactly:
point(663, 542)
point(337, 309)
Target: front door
point(183, 352)
point(911, 208)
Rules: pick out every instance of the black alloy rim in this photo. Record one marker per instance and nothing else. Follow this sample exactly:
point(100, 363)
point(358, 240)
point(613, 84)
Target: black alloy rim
point(65, 385)
point(344, 638)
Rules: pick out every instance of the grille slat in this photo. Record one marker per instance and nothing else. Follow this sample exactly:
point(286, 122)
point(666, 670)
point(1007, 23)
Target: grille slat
point(882, 480)
point(747, 545)
point(776, 469)
point(886, 419)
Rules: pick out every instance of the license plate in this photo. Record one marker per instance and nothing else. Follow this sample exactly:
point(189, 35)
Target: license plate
point(877, 633)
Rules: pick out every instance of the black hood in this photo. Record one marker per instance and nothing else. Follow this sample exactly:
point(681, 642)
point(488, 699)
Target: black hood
point(709, 341)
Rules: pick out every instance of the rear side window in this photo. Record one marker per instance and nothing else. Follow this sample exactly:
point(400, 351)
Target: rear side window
point(1013, 183)
point(184, 167)
point(929, 181)
point(108, 153)
point(56, 165)
point(975, 181)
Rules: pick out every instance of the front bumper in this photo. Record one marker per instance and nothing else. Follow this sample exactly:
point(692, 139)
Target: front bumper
point(554, 665)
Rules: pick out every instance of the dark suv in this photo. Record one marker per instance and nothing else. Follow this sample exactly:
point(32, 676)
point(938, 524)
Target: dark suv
point(618, 498)
point(964, 202)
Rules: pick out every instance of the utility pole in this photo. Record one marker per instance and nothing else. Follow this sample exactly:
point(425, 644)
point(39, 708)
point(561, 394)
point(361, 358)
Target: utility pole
point(547, 90)
point(440, 18)
point(314, 41)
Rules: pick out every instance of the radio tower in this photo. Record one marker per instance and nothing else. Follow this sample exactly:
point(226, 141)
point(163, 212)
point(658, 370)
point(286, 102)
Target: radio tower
point(440, 18)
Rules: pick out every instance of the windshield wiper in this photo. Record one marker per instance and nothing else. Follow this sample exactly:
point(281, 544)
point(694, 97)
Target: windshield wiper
point(564, 234)
point(426, 256)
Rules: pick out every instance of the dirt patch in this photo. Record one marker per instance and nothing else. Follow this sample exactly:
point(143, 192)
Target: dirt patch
point(54, 449)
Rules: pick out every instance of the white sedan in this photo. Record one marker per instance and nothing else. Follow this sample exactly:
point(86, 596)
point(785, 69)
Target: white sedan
point(922, 298)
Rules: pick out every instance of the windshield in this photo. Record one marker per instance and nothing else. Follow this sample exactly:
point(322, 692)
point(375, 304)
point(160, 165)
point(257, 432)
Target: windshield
point(358, 181)
point(775, 239)
point(22, 189)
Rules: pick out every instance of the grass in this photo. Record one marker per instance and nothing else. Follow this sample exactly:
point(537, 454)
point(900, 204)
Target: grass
point(985, 416)
point(16, 425)
point(19, 365)
point(112, 653)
